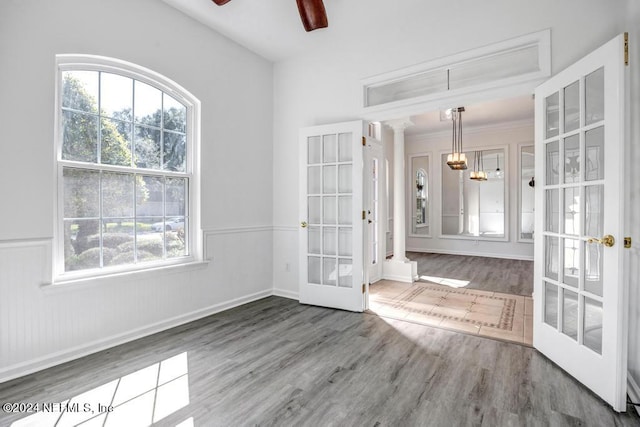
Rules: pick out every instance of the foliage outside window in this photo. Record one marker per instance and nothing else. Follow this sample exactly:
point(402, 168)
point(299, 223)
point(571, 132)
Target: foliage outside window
point(124, 171)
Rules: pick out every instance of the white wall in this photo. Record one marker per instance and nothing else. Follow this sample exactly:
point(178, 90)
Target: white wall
point(44, 325)
point(507, 135)
point(324, 86)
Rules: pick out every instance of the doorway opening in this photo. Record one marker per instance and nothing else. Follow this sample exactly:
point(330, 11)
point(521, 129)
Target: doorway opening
point(472, 240)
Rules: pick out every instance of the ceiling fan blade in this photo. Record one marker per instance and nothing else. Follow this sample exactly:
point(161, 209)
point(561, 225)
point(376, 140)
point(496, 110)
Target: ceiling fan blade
point(313, 14)
point(221, 2)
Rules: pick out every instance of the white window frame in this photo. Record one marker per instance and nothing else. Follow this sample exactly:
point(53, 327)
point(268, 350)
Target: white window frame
point(70, 62)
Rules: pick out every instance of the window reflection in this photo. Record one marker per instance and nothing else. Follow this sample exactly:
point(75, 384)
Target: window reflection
point(527, 192)
point(420, 199)
point(475, 208)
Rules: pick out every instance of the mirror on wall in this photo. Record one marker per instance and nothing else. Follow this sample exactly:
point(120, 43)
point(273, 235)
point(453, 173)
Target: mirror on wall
point(527, 193)
point(419, 195)
point(475, 208)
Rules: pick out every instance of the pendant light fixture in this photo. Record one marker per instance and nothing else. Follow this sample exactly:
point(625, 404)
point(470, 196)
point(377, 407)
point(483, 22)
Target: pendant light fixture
point(457, 160)
point(499, 173)
point(478, 173)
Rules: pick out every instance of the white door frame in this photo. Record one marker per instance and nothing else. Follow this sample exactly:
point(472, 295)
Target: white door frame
point(374, 150)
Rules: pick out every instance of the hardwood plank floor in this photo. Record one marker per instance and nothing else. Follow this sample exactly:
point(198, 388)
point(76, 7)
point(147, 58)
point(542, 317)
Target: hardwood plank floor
point(277, 362)
point(507, 276)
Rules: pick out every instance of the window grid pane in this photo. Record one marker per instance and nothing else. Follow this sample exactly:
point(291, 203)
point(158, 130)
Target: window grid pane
point(122, 216)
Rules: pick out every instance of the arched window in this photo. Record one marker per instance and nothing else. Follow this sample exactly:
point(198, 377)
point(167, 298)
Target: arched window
point(126, 168)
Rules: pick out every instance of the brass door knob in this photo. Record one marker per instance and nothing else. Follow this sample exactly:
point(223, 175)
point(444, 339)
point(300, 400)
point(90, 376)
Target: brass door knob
point(607, 240)
point(303, 224)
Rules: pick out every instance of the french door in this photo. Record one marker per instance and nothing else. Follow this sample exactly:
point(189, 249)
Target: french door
point(579, 289)
point(332, 216)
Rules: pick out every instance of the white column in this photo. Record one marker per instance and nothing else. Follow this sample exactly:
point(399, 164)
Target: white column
point(399, 202)
point(399, 268)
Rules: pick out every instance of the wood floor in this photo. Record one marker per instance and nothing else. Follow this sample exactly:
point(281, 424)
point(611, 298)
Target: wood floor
point(507, 276)
point(276, 362)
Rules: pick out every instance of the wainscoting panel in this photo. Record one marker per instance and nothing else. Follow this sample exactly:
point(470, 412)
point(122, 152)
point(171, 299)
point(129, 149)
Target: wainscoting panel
point(43, 325)
point(285, 261)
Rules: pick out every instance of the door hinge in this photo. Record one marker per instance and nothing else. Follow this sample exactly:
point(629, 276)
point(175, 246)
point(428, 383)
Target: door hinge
point(363, 288)
point(364, 140)
point(627, 242)
point(626, 48)
point(364, 215)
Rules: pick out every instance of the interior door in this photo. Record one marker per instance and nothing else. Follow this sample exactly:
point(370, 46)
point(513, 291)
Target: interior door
point(579, 290)
point(373, 183)
point(331, 215)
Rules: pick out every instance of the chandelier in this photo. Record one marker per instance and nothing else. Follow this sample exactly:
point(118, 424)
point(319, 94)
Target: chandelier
point(457, 160)
point(478, 173)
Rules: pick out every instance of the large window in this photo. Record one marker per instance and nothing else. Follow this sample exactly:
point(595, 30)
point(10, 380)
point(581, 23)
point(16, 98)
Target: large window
point(125, 168)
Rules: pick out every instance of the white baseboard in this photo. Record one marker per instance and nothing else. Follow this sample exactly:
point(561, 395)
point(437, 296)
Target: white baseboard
point(286, 294)
point(633, 390)
point(38, 364)
point(397, 278)
point(472, 253)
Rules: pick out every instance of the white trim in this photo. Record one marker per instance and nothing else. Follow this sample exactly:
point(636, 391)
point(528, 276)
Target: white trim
point(20, 243)
point(495, 89)
point(472, 253)
point(285, 293)
point(40, 363)
point(291, 228)
point(396, 278)
point(540, 38)
point(411, 198)
point(237, 230)
point(633, 390)
point(522, 145)
point(150, 272)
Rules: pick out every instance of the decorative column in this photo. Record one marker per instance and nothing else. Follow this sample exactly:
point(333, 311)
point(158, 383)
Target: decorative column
point(399, 202)
point(399, 267)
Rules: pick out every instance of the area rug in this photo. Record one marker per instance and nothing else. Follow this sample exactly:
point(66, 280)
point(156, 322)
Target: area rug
point(498, 311)
point(483, 313)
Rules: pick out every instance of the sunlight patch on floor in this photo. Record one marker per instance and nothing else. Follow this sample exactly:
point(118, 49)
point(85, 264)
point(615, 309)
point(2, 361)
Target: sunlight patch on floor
point(140, 398)
point(453, 283)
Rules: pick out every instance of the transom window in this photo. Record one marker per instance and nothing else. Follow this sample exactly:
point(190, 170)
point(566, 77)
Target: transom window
point(125, 168)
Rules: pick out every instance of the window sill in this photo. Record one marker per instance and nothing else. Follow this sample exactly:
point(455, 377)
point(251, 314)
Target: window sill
point(105, 279)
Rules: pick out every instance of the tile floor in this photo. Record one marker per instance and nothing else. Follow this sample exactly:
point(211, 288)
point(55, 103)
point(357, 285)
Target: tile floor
point(490, 314)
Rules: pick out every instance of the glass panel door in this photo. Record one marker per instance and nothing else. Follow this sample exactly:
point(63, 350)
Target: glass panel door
point(578, 285)
point(331, 232)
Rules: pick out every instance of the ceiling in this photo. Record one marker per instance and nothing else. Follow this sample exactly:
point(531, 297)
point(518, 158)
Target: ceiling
point(491, 113)
point(270, 28)
point(273, 30)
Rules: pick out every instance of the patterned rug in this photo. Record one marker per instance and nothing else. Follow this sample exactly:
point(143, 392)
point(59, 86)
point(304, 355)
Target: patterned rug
point(444, 303)
point(489, 314)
